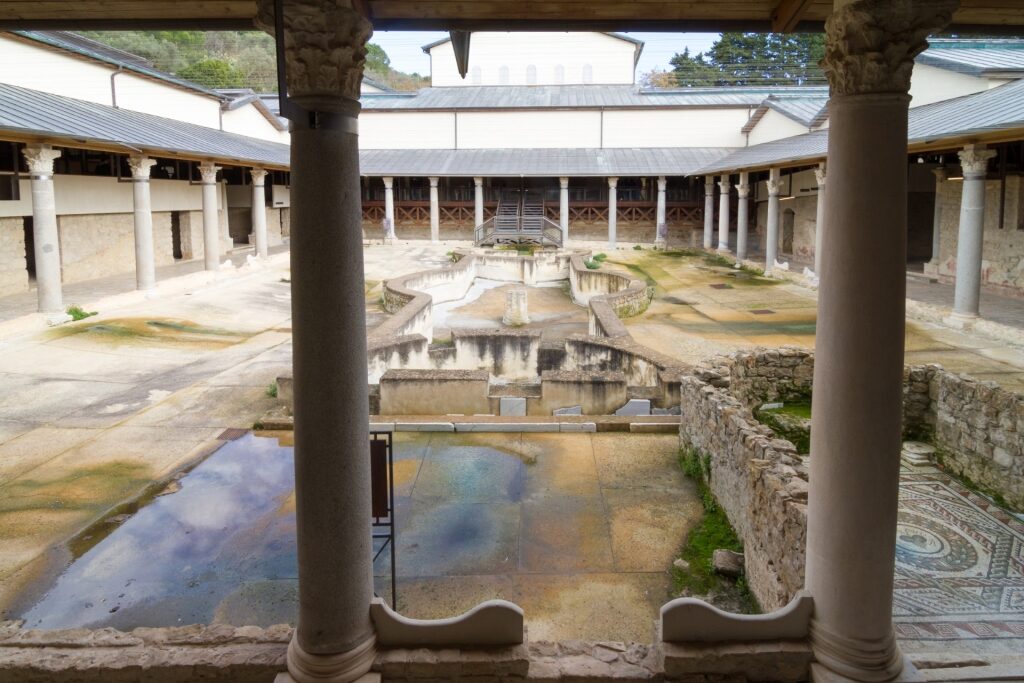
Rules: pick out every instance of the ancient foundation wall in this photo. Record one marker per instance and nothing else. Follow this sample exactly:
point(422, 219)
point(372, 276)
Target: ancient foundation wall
point(597, 393)
point(420, 392)
point(13, 267)
point(510, 354)
point(408, 351)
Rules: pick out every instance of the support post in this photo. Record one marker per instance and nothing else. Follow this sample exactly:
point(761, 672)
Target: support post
point(723, 214)
point(44, 232)
point(819, 223)
point(858, 369)
point(478, 197)
point(661, 222)
point(325, 48)
point(563, 208)
point(940, 177)
point(970, 238)
point(389, 209)
point(259, 212)
point(145, 266)
point(613, 211)
point(771, 237)
point(435, 212)
point(211, 222)
point(742, 215)
point(709, 211)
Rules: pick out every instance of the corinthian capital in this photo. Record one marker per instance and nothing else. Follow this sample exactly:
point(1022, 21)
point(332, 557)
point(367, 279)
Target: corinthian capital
point(40, 159)
point(140, 166)
point(743, 190)
point(820, 175)
point(871, 44)
point(208, 170)
point(324, 48)
point(258, 175)
point(974, 159)
point(773, 187)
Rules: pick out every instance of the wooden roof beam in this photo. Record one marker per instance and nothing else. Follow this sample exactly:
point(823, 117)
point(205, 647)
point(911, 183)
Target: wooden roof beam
point(787, 14)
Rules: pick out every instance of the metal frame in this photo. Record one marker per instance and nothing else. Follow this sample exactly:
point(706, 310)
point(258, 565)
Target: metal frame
point(387, 522)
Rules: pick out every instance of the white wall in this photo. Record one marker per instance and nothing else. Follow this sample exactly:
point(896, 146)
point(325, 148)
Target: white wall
point(248, 120)
point(931, 84)
point(675, 128)
point(611, 60)
point(407, 130)
point(774, 126)
point(78, 194)
point(529, 129)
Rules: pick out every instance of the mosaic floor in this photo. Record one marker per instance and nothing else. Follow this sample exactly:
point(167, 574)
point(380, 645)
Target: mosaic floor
point(959, 565)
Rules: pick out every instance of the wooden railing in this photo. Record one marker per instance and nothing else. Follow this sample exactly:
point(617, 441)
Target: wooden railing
point(464, 213)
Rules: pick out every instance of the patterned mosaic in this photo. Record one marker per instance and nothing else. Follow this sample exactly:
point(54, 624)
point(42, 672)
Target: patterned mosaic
point(959, 563)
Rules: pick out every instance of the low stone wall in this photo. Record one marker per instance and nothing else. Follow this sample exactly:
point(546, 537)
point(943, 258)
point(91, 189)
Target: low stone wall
point(408, 351)
point(597, 393)
point(783, 374)
point(641, 366)
point(444, 392)
point(610, 295)
point(507, 353)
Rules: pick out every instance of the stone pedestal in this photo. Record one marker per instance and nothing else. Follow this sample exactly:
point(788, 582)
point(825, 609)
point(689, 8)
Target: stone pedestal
point(516, 313)
point(917, 453)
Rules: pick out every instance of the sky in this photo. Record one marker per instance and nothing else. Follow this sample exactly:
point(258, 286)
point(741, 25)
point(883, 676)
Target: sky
point(404, 48)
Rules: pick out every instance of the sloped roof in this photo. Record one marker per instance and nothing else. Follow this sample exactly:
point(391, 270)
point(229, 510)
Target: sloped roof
point(998, 109)
point(639, 44)
point(809, 111)
point(578, 96)
point(987, 57)
point(30, 112)
point(537, 162)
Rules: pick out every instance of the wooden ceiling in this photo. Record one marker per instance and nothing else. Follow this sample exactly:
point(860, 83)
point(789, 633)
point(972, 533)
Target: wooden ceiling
point(988, 16)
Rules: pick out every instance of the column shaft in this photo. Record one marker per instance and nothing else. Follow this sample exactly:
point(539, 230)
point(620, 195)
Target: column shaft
point(771, 238)
point(709, 211)
point(211, 222)
point(145, 266)
point(661, 222)
point(478, 200)
point(259, 212)
point(819, 224)
point(723, 215)
point(45, 234)
point(435, 212)
point(563, 208)
point(742, 215)
point(940, 177)
point(613, 212)
point(389, 208)
point(970, 238)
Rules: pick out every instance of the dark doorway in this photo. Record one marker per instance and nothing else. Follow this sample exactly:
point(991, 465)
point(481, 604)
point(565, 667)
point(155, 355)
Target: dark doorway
point(30, 249)
point(788, 219)
point(176, 235)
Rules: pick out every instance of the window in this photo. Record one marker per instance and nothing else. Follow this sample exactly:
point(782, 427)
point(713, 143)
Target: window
point(560, 74)
point(503, 75)
point(531, 75)
point(476, 75)
point(588, 73)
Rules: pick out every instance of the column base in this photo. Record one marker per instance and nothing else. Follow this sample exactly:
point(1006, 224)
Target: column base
point(54, 319)
point(660, 244)
point(909, 674)
point(961, 320)
point(724, 249)
point(344, 667)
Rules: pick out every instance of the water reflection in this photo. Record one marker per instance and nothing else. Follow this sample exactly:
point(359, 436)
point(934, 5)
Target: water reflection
point(231, 526)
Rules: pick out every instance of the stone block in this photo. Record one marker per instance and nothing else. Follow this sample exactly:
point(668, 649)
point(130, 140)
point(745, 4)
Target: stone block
point(506, 427)
point(576, 427)
point(635, 407)
point(424, 427)
point(654, 427)
point(574, 410)
point(514, 406)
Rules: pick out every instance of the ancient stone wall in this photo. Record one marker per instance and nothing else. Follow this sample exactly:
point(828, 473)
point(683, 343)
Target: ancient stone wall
point(13, 268)
point(783, 374)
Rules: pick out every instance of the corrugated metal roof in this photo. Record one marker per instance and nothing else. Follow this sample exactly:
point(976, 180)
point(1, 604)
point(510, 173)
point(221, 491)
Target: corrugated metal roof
point(997, 109)
point(809, 111)
point(975, 57)
point(536, 162)
point(577, 96)
point(32, 112)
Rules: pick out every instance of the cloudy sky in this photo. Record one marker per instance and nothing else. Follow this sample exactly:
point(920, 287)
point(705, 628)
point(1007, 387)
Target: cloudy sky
point(403, 47)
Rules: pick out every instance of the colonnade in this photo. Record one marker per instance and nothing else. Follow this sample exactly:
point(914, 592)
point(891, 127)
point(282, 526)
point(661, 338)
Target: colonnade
point(40, 160)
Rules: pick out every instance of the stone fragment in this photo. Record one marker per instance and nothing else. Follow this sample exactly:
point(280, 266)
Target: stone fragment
point(727, 562)
point(635, 406)
point(574, 410)
point(681, 564)
point(514, 406)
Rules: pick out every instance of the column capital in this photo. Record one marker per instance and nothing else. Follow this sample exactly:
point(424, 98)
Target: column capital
point(258, 175)
point(662, 183)
point(743, 190)
point(389, 182)
point(324, 49)
point(974, 160)
point(871, 44)
point(941, 173)
point(563, 183)
point(208, 170)
point(140, 166)
point(433, 180)
point(40, 159)
point(820, 174)
point(725, 184)
point(613, 182)
point(478, 181)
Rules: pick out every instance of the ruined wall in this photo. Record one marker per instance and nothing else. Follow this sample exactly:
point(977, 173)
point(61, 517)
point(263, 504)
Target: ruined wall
point(1002, 267)
point(783, 374)
point(598, 393)
point(510, 354)
point(13, 268)
point(432, 392)
point(407, 351)
point(190, 224)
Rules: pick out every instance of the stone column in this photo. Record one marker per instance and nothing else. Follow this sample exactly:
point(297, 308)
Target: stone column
point(478, 196)
point(771, 237)
point(389, 208)
point(819, 223)
point(858, 369)
point(211, 222)
point(145, 266)
point(613, 211)
point(435, 212)
point(563, 208)
point(723, 215)
point(970, 238)
point(259, 212)
point(940, 177)
point(742, 215)
point(709, 211)
point(325, 48)
point(44, 231)
point(661, 221)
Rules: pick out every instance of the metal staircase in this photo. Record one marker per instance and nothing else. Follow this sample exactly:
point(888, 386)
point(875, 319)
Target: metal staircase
point(519, 219)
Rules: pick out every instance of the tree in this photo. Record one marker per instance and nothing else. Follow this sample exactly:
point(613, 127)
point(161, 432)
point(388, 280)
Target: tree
point(754, 59)
point(656, 78)
point(213, 73)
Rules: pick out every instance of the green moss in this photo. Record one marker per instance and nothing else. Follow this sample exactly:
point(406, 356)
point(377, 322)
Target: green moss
point(272, 390)
point(600, 257)
point(790, 422)
point(79, 313)
point(713, 532)
point(592, 264)
point(718, 260)
point(637, 247)
point(678, 253)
